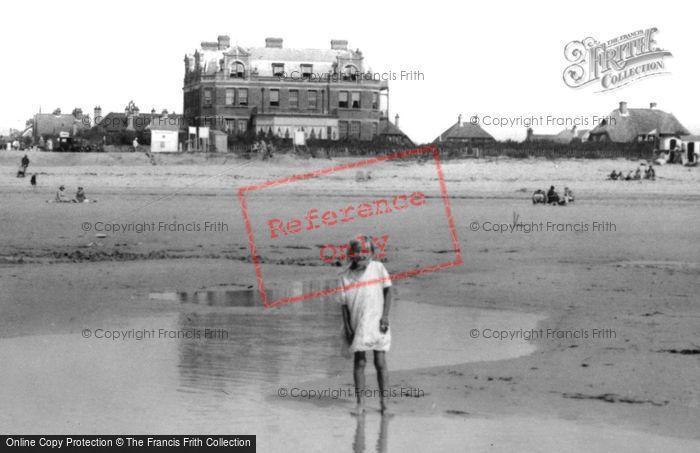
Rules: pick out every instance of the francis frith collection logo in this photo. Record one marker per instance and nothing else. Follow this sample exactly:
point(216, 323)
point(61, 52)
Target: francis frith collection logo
point(616, 62)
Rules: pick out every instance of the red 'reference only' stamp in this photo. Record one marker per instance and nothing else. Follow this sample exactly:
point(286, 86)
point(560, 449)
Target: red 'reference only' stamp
point(277, 227)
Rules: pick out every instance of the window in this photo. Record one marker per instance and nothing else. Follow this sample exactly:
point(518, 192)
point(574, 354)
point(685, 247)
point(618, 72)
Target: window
point(343, 129)
point(306, 70)
point(343, 99)
point(313, 99)
point(350, 72)
point(243, 96)
point(274, 98)
point(237, 70)
point(278, 69)
point(207, 96)
point(242, 126)
point(230, 125)
point(356, 99)
point(375, 129)
point(355, 129)
point(229, 96)
point(293, 99)
point(375, 101)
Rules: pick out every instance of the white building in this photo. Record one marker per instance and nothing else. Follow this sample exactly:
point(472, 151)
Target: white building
point(164, 134)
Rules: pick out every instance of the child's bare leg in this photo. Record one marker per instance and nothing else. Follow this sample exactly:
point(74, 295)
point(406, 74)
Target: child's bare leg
point(359, 374)
point(382, 377)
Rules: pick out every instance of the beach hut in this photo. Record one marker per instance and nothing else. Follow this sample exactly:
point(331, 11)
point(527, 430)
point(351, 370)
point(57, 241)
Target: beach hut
point(164, 134)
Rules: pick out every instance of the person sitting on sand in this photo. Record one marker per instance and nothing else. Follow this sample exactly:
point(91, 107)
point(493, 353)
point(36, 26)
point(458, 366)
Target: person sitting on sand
point(61, 195)
point(638, 173)
point(80, 196)
point(568, 196)
point(32, 180)
point(366, 316)
point(613, 175)
point(539, 196)
point(552, 195)
point(629, 176)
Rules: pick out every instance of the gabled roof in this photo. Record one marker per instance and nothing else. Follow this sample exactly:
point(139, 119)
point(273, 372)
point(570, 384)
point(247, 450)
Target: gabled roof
point(462, 131)
point(389, 129)
point(48, 123)
point(118, 121)
point(627, 127)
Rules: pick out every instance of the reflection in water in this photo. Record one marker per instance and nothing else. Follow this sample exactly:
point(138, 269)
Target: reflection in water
point(162, 383)
point(236, 297)
point(358, 444)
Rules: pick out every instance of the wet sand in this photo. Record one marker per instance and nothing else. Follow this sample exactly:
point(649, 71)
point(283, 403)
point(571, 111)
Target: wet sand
point(637, 391)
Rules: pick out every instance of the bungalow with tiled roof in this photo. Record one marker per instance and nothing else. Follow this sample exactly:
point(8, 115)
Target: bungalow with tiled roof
point(625, 125)
point(464, 133)
point(391, 133)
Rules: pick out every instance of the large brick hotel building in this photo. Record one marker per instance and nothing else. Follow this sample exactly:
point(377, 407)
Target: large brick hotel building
point(272, 89)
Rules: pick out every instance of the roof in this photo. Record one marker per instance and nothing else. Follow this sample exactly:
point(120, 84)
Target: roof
point(463, 131)
point(691, 138)
point(626, 128)
point(169, 123)
point(118, 121)
point(310, 55)
point(48, 123)
point(261, 58)
point(389, 129)
point(564, 136)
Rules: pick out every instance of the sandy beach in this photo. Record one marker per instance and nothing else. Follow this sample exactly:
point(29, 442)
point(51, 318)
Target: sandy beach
point(602, 343)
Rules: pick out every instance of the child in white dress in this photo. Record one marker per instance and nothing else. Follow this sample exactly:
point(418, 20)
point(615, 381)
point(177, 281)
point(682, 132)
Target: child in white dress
point(366, 315)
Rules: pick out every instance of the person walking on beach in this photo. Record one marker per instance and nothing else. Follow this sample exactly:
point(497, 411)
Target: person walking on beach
point(366, 317)
point(25, 163)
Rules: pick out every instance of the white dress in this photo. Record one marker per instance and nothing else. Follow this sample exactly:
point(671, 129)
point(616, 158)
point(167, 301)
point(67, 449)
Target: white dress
point(366, 305)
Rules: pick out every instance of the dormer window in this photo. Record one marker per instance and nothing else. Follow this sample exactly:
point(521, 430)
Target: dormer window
point(278, 69)
point(350, 72)
point(306, 71)
point(237, 70)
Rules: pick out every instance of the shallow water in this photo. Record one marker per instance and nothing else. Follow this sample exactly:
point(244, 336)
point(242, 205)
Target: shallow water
point(242, 355)
point(230, 383)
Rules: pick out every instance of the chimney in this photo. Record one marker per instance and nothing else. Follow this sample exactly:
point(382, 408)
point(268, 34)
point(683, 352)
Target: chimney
point(98, 114)
point(652, 105)
point(529, 134)
point(339, 44)
point(459, 120)
point(623, 107)
point(224, 42)
point(396, 120)
point(209, 45)
point(273, 43)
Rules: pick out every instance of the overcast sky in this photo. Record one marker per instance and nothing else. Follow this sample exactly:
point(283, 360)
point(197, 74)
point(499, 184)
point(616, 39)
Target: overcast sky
point(485, 58)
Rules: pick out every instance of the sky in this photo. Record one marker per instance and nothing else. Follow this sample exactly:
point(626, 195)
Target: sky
point(491, 59)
